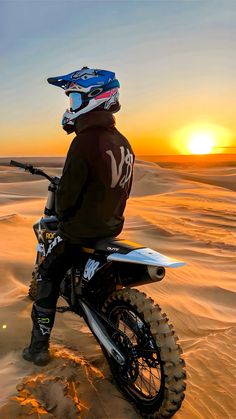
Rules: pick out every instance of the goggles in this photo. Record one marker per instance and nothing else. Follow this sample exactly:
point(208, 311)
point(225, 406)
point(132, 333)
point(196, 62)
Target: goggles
point(75, 101)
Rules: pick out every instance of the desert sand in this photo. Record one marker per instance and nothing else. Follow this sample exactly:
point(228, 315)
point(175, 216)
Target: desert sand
point(187, 213)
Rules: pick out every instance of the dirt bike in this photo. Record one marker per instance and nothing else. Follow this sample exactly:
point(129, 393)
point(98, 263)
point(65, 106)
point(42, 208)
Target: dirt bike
point(139, 344)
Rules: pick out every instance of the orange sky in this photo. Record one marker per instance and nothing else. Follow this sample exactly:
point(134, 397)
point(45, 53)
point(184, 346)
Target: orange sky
point(175, 62)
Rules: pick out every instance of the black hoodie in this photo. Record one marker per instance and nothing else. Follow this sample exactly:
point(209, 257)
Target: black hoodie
point(96, 180)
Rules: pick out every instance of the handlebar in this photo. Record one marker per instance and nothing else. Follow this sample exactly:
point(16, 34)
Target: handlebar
point(34, 171)
point(21, 165)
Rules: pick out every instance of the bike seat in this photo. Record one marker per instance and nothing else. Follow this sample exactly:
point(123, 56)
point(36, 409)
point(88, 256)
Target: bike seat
point(112, 245)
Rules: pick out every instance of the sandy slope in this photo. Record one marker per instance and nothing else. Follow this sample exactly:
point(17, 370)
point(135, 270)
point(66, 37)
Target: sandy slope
point(186, 214)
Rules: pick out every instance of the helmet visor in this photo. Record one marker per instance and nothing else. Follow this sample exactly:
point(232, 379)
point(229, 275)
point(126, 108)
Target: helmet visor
point(75, 101)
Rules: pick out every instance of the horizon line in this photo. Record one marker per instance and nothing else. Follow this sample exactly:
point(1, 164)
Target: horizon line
point(137, 155)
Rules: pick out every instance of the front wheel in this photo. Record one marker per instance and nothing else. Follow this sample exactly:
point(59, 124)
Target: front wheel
point(33, 283)
point(153, 377)
point(33, 287)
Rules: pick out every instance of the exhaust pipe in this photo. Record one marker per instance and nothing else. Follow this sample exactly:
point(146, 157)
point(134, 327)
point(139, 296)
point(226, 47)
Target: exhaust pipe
point(156, 273)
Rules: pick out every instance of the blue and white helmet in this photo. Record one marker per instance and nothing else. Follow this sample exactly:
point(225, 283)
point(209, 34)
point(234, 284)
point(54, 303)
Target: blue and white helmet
point(87, 89)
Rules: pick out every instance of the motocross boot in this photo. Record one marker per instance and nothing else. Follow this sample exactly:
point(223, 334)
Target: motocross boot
point(38, 350)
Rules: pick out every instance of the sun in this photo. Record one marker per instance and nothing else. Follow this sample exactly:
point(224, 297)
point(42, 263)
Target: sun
point(201, 138)
point(201, 142)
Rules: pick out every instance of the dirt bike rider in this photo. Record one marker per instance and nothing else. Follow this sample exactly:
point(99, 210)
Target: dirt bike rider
point(92, 191)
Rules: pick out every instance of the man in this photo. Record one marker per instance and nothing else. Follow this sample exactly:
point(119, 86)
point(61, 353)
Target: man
point(92, 191)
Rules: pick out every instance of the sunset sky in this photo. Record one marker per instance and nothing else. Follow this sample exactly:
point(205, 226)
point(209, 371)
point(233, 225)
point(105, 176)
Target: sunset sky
point(175, 60)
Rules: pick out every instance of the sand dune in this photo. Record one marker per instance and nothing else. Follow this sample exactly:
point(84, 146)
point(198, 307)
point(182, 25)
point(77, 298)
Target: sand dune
point(186, 213)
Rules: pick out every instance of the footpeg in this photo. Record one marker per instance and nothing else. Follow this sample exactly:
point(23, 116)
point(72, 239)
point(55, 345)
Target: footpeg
point(63, 309)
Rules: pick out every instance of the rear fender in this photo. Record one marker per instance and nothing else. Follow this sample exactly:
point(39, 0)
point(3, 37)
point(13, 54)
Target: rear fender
point(142, 266)
point(146, 256)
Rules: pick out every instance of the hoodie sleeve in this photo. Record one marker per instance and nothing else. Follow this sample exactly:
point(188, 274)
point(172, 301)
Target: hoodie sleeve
point(73, 181)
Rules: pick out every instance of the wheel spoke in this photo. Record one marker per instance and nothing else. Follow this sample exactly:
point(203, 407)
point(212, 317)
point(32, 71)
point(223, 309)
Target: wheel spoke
point(144, 380)
point(141, 376)
point(147, 383)
point(147, 369)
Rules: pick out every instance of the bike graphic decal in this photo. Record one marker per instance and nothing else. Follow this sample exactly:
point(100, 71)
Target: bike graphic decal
point(41, 231)
point(90, 269)
point(121, 173)
point(112, 249)
point(54, 243)
point(50, 236)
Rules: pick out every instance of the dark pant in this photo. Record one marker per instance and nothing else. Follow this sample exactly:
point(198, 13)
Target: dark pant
point(60, 257)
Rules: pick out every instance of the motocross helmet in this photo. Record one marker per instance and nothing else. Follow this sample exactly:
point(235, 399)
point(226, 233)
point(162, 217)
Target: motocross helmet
point(87, 89)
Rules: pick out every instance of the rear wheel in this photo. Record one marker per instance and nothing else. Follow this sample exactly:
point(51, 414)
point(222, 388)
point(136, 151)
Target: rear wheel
point(154, 374)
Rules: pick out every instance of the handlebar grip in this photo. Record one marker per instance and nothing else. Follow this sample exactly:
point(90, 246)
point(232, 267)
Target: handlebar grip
point(33, 170)
point(18, 164)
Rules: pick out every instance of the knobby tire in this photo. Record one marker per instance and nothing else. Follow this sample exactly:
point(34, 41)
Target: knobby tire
point(170, 396)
